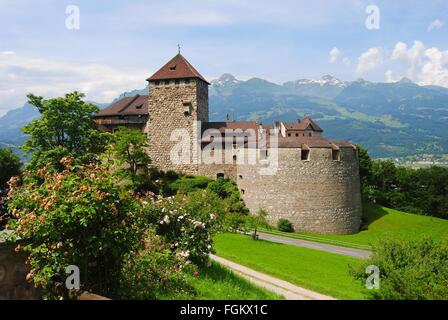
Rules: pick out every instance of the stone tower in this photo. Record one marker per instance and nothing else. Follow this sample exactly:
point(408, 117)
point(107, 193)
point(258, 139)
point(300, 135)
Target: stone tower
point(178, 104)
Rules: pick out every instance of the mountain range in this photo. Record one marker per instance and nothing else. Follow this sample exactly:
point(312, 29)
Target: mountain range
point(400, 119)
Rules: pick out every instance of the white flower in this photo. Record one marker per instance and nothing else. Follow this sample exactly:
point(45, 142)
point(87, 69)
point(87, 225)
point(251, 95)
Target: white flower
point(199, 224)
point(166, 220)
point(184, 254)
point(212, 216)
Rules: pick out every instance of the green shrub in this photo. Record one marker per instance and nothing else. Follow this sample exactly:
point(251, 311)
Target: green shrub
point(409, 270)
point(221, 187)
point(187, 222)
point(185, 185)
point(154, 271)
point(285, 225)
point(75, 217)
point(9, 166)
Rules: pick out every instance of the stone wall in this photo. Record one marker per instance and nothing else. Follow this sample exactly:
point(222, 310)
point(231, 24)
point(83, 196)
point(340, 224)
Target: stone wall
point(13, 271)
point(320, 195)
point(168, 106)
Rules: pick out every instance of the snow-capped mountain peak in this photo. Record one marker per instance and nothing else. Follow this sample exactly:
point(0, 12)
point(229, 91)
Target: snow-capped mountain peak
point(225, 80)
point(326, 80)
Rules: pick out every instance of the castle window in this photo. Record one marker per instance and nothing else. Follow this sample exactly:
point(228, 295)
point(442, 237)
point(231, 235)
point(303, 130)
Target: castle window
point(336, 155)
point(187, 81)
point(167, 82)
point(173, 68)
point(243, 191)
point(234, 158)
point(289, 134)
point(156, 83)
point(310, 134)
point(177, 82)
point(139, 106)
point(241, 177)
point(187, 108)
point(297, 134)
point(220, 175)
point(305, 155)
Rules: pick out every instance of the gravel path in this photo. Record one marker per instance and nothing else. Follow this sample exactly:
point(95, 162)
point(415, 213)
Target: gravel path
point(357, 253)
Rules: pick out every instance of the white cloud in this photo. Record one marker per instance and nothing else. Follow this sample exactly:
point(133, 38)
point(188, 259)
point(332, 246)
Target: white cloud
point(426, 66)
point(346, 61)
point(335, 53)
point(436, 24)
point(434, 70)
point(389, 76)
point(20, 75)
point(369, 60)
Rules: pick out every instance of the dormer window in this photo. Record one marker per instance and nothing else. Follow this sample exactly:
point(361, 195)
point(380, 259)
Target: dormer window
point(139, 106)
point(173, 68)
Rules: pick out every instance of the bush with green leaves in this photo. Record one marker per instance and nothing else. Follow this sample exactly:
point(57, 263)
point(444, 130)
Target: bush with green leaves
point(409, 270)
point(79, 216)
point(187, 222)
point(127, 153)
point(285, 225)
point(186, 185)
point(9, 166)
point(154, 271)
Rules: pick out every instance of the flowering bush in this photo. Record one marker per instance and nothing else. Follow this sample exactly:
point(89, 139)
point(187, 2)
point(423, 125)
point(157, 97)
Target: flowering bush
point(75, 217)
point(154, 271)
point(187, 222)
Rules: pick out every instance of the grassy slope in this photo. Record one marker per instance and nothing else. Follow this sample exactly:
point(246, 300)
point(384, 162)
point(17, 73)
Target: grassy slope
point(316, 270)
point(219, 283)
point(384, 223)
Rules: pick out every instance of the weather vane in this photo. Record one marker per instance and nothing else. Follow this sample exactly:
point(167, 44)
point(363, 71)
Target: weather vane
point(178, 46)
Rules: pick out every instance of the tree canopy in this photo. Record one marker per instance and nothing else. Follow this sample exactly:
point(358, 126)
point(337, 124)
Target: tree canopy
point(65, 128)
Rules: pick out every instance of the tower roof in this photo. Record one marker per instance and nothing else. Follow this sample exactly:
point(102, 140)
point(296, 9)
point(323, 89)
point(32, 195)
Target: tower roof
point(177, 68)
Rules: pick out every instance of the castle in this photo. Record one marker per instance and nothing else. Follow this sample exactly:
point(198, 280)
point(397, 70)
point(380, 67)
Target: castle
point(288, 169)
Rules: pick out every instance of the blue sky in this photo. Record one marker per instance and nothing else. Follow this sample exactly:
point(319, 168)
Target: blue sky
point(120, 43)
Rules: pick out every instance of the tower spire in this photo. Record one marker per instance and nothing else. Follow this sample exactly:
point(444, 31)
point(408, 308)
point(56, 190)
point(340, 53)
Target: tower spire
point(178, 47)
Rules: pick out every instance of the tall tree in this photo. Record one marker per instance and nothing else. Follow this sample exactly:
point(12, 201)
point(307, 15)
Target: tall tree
point(65, 128)
point(128, 152)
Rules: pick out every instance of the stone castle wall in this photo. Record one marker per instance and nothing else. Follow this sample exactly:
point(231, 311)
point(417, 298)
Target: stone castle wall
point(320, 195)
point(167, 109)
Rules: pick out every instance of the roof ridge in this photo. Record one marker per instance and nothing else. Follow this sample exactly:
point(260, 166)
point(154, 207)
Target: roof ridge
point(128, 104)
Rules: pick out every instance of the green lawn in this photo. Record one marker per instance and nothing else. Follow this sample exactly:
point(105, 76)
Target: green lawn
point(383, 223)
point(219, 283)
point(320, 271)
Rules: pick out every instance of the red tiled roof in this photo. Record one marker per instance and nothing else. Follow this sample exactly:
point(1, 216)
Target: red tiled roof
point(177, 68)
point(137, 105)
point(303, 125)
